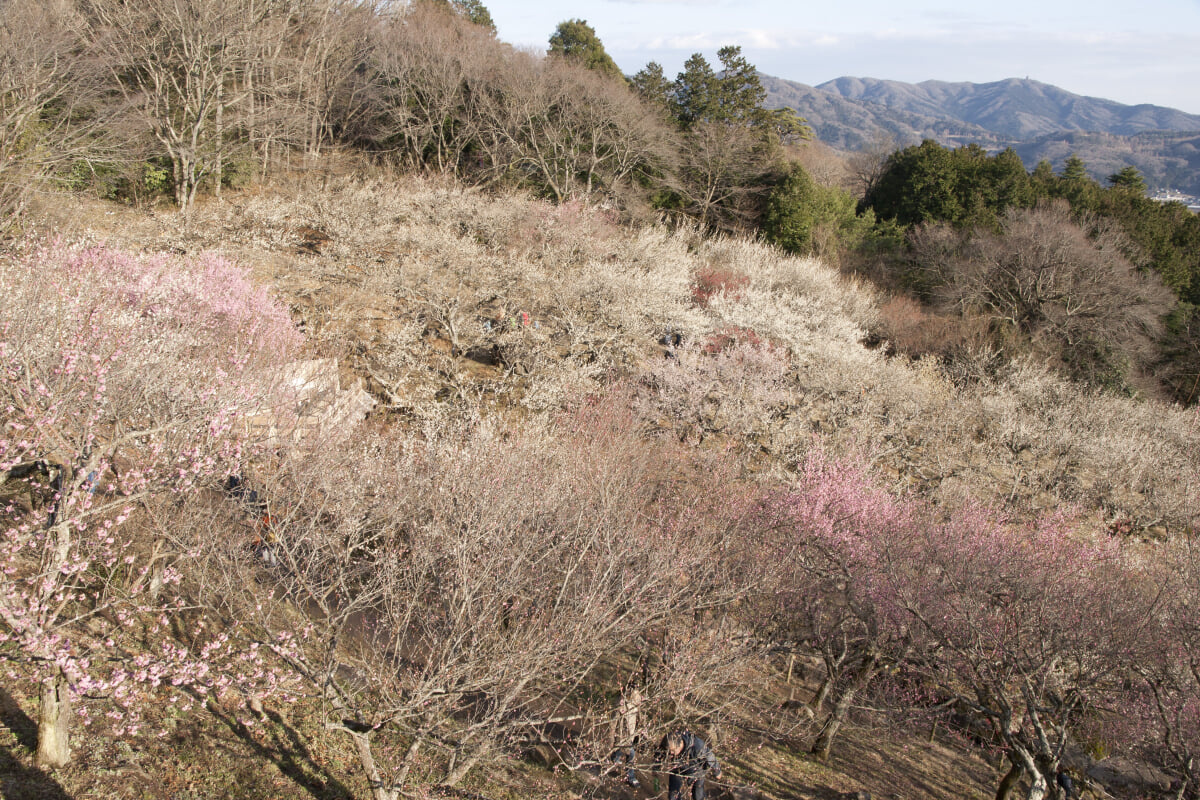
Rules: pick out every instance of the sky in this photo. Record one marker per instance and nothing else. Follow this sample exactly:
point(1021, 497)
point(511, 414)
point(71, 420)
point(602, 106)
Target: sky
point(1130, 51)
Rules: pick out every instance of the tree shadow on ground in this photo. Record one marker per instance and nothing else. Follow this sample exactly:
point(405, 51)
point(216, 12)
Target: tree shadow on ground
point(910, 767)
point(18, 781)
point(287, 750)
point(756, 780)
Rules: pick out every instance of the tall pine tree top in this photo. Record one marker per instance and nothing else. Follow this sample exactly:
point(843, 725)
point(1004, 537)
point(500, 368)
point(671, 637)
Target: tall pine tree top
point(577, 41)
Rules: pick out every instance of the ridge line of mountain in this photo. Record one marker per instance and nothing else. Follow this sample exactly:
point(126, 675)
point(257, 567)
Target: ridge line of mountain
point(1038, 120)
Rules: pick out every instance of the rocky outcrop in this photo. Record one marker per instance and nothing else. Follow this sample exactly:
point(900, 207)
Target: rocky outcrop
point(313, 403)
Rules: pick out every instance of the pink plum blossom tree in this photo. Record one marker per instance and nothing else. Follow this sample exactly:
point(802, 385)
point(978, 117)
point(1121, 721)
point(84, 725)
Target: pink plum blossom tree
point(122, 379)
point(1025, 627)
point(828, 589)
point(1159, 716)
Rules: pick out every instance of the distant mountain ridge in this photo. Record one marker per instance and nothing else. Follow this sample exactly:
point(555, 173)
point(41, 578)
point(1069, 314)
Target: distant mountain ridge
point(850, 124)
point(1037, 119)
point(1018, 108)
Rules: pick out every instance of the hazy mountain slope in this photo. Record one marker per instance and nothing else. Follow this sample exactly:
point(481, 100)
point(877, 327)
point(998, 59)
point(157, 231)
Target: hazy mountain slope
point(894, 95)
point(1167, 160)
point(1038, 120)
point(850, 124)
point(1018, 108)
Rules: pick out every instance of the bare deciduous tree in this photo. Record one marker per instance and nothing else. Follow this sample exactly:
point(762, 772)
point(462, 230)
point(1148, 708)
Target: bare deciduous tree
point(329, 41)
point(722, 171)
point(426, 66)
point(457, 592)
point(569, 131)
point(1049, 278)
point(183, 62)
point(50, 87)
point(867, 164)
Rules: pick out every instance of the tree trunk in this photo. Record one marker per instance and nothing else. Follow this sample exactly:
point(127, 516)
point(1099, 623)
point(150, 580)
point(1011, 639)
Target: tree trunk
point(156, 581)
point(179, 168)
point(841, 709)
point(459, 769)
point(362, 744)
point(409, 757)
point(833, 668)
point(1009, 781)
point(1037, 785)
point(833, 724)
point(818, 702)
point(54, 721)
point(218, 166)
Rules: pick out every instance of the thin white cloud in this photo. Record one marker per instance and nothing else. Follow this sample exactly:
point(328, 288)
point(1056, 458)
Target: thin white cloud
point(695, 41)
point(764, 40)
point(747, 38)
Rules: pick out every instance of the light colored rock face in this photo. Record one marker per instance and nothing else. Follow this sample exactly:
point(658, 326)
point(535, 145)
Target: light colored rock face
point(316, 403)
point(321, 402)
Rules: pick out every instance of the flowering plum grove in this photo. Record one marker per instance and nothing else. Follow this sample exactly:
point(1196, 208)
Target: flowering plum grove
point(1161, 719)
point(1030, 631)
point(463, 587)
point(827, 590)
point(446, 593)
point(123, 379)
point(1027, 628)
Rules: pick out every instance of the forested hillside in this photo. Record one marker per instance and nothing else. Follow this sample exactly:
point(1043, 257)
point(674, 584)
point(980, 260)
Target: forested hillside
point(1017, 108)
point(1167, 159)
point(1040, 122)
point(384, 411)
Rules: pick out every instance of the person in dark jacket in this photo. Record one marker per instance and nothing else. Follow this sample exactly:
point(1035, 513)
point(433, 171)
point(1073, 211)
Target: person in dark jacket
point(1066, 784)
point(687, 760)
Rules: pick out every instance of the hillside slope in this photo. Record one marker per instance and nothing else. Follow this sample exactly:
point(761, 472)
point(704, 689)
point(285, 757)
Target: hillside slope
point(1166, 159)
point(456, 307)
point(1016, 108)
point(1038, 120)
point(432, 281)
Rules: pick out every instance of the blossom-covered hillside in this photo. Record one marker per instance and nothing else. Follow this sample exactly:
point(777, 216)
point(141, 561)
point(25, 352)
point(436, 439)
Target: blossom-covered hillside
point(598, 456)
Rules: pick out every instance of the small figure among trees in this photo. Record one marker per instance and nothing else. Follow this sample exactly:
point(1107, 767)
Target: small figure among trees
point(630, 714)
point(688, 761)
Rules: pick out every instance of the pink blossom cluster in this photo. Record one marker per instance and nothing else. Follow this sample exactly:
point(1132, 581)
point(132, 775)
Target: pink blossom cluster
point(123, 377)
point(1031, 625)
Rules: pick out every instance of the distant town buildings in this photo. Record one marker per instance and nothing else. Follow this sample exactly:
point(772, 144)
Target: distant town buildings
point(1172, 196)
